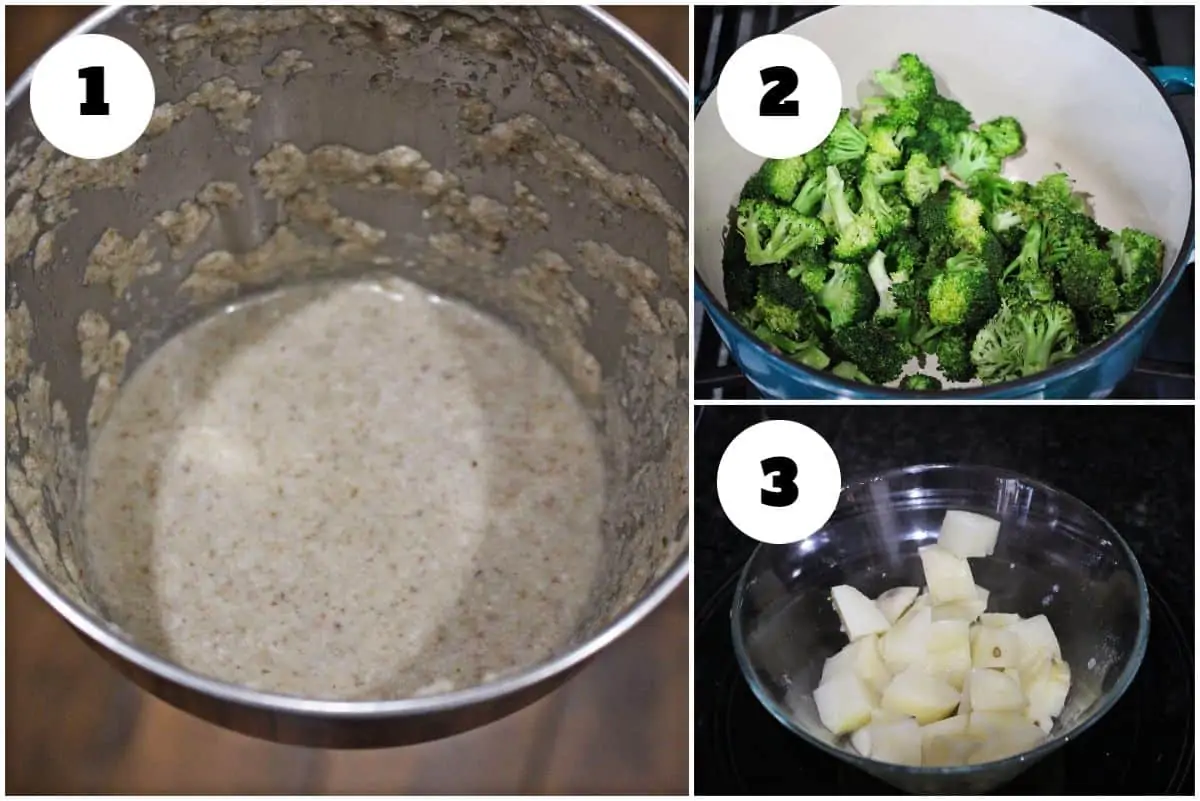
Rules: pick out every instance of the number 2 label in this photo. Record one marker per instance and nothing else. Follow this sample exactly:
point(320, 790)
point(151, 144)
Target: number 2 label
point(781, 82)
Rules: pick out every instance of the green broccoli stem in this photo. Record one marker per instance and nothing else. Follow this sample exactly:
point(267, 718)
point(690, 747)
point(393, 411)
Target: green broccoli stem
point(877, 269)
point(888, 177)
point(1039, 345)
point(809, 198)
point(1027, 258)
point(835, 192)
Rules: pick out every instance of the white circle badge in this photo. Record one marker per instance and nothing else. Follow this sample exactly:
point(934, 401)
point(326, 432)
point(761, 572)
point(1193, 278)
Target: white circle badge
point(91, 96)
point(779, 96)
point(779, 482)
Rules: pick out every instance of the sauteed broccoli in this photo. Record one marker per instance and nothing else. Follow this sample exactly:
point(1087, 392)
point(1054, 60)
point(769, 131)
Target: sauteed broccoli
point(899, 241)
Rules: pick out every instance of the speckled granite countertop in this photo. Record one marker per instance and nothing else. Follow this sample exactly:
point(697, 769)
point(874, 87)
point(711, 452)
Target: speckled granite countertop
point(1134, 465)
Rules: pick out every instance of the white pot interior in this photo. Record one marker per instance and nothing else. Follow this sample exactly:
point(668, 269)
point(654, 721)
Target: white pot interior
point(1086, 109)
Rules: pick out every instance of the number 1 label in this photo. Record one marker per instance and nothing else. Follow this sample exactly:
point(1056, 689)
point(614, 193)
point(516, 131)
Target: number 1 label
point(93, 104)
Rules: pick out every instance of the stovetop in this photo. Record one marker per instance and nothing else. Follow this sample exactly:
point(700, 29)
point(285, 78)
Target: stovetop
point(1155, 34)
point(1134, 465)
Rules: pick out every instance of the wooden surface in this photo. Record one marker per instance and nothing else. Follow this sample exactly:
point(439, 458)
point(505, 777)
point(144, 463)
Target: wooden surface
point(74, 725)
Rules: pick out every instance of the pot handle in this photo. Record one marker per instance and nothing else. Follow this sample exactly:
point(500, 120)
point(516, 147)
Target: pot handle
point(1176, 80)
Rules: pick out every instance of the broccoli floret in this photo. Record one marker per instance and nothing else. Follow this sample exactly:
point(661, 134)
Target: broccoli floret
point(905, 253)
point(848, 295)
point(971, 156)
point(814, 160)
point(784, 307)
point(950, 220)
point(1024, 276)
point(996, 352)
point(1024, 339)
point(872, 109)
point(845, 142)
point(1087, 278)
point(776, 283)
point(1006, 212)
point(888, 218)
point(942, 120)
point(910, 80)
point(1097, 325)
point(1056, 192)
point(810, 268)
point(964, 222)
point(920, 383)
point(953, 351)
point(850, 372)
point(1139, 258)
point(995, 191)
point(1004, 136)
point(1048, 333)
point(963, 294)
point(775, 316)
point(856, 234)
point(877, 350)
point(740, 277)
point(773, 232)
point(779, 179)
point(885, 139)
point(878, 169)
point(811, 195)
point(921, 179)
point(807, 352)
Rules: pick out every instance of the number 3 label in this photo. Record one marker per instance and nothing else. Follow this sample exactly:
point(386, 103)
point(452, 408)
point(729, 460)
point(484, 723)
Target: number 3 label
point(91, 96)
point(779, 96)
point(779, 482)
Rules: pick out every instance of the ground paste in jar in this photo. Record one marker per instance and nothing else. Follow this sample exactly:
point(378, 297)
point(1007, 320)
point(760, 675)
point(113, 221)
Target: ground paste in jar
point(346, 490)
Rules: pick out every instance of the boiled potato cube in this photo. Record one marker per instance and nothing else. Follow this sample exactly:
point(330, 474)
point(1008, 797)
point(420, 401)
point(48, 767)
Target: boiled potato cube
point(968, 610)
point(908, 641)
point(947, 749)
point(844, 704)
point(993, 691)
point(859, 614)
point(1037, 639)
point(968, 535)
point(949, 654)
point(897, 741)
point(956, 724)
point(860, 657)
point(1047, 693)
point(1007, 739)
point(945, 742)
point(998, 620)
point(948, 576)
point(881, 715)
point(995, 648)
point(896, 601)
point(981, 724)
point(861, 740)
point(918, 694)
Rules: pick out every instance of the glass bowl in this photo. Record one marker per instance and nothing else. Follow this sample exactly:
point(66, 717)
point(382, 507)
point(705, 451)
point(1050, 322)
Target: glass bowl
point(1055, 556)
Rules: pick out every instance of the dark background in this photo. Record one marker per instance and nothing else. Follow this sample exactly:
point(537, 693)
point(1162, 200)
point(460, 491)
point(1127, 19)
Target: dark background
point(1153, 35)
point(73, 725)
point(1132, 464)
